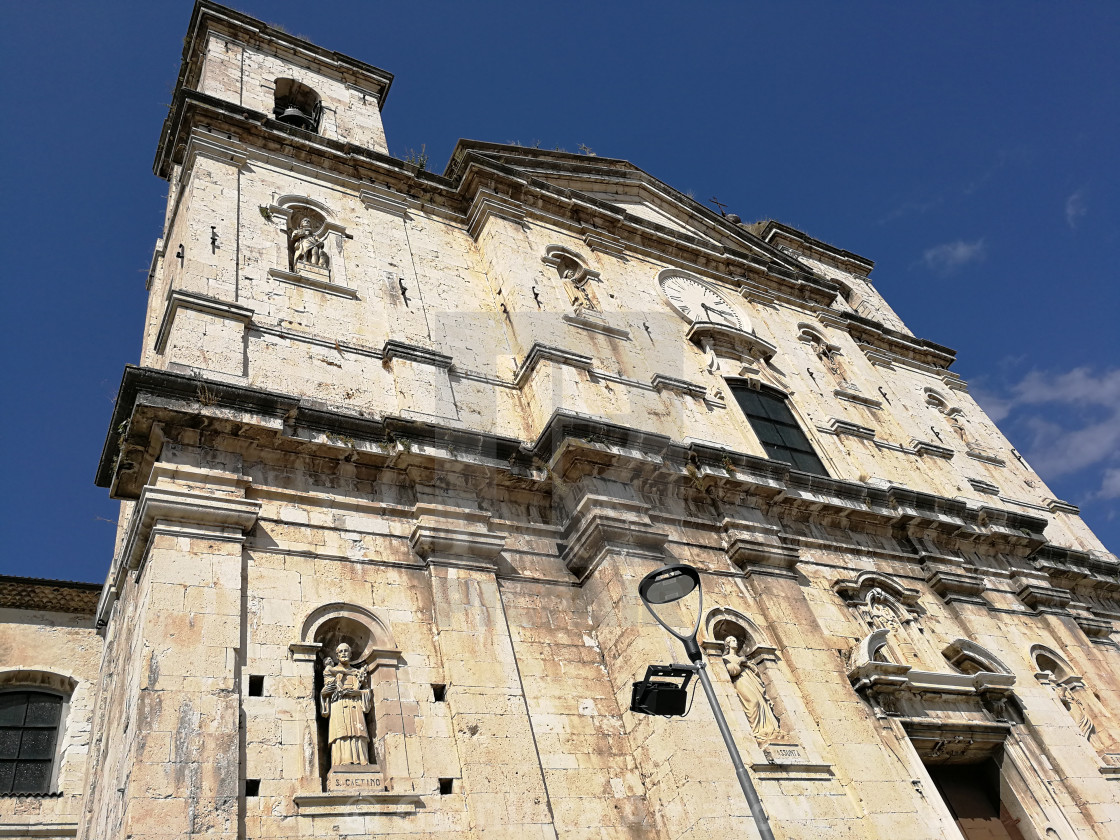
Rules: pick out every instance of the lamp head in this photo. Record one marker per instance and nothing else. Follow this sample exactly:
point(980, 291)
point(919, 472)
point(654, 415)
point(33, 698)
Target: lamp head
point(668, 585)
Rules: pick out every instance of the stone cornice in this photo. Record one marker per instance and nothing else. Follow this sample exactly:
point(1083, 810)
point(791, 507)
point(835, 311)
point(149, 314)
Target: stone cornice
point(572, 445)
point(180, 299)
point(181, 513)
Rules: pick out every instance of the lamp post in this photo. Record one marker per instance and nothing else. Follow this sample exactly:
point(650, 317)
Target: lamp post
point(668, 585)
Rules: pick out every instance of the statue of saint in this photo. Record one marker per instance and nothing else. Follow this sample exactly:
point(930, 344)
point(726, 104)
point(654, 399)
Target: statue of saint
point(578, 295)
point(1076, 708)
point(752, 693)
point(306, 247)
point(828, 357)
point(346, 699)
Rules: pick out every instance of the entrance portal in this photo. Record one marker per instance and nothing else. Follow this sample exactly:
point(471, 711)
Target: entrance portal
point(972, 792)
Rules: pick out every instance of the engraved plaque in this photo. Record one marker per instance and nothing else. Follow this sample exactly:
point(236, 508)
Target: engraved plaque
point(356, 779)
point(785, 754)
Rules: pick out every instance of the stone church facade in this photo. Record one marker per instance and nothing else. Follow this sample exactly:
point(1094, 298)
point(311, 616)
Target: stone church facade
point(400, 447)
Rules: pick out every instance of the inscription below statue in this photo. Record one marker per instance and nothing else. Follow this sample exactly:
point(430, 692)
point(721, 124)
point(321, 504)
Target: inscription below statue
point(752, 693)
point(346, 700)
point(306, 247)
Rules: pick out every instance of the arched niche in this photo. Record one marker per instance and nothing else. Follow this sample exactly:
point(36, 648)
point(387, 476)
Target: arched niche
point(312, 238)
point(722, 622)
point(857, 591)
point(373, 650)
point(576, 277)
point(297, 104)
point(368, 636)
point(970, 658)
point(1049, 661)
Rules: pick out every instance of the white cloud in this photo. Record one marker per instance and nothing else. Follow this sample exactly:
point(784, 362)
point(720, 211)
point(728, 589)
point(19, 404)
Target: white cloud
point(1076, 208)
point(1081, 428)
point(950, 256)
point(1110, 484)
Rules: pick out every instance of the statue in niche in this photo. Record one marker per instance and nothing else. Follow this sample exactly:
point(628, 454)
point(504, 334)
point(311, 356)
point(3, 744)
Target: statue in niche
point(305, 247)
point(575, 285)
point(752, 693)
point(346, 699)
point(831, 360)
point(1076, 708)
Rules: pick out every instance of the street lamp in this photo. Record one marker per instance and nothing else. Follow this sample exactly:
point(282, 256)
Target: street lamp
point(668, 585)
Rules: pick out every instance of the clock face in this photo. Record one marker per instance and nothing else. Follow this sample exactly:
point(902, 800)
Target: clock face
point(697, 302)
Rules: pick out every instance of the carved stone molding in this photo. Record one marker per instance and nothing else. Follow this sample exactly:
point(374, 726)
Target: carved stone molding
point(885, 684)
point(309, 281)
point(923, 447)
point(730, 343)
point(448, 536)
point(661, 383)
point(375, 197)
point(837, 426)
point(394, 349)
point(1033, 589)
point(605, 243)
point(180, 513)
point(179, 299)
point(539, 353)
point(489, 204)
point(757, 548)
point(600, 525)
point(1097, 629)
point(953, 581)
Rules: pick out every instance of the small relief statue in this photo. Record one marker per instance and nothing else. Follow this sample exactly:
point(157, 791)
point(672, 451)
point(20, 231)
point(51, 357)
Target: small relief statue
point(1076, 708)
point(752, 693)
point(713, 366)
point(879, 613)
point(576, 280)
point(346, 699)
point(305, 247)
point(831, 360)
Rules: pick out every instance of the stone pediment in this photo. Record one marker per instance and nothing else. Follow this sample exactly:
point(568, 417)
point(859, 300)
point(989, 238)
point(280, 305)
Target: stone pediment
point(622, 190)
point(897, 690)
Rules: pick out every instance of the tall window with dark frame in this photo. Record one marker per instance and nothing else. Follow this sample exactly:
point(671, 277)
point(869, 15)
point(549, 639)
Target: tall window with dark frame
point(777, 428)
point(28, 733)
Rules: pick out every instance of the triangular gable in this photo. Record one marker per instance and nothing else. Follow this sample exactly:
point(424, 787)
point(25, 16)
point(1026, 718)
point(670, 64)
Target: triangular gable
point(626, 188)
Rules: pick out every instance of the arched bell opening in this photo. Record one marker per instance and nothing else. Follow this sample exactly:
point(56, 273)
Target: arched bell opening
point(297, 104)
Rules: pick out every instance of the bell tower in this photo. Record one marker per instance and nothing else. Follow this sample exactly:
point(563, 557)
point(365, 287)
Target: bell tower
point(249, 214)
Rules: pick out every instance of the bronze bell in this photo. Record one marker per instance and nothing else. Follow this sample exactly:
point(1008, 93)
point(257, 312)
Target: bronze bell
point(294, 116)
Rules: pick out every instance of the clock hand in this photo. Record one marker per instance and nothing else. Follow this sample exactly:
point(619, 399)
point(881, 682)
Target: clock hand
point(727, 316)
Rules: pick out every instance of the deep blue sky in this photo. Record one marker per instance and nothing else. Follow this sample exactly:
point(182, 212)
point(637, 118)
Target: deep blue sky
point(969, 149)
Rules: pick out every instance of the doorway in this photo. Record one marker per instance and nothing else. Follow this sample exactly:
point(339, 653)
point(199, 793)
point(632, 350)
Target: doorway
point(973, 794)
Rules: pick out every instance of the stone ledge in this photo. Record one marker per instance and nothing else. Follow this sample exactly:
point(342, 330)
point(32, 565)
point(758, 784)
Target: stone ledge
point(596, 324)
point(296, 279)
point(541, 353)
point(357, 804)
point(661, 382)
point(42, 829)
point(179, 299)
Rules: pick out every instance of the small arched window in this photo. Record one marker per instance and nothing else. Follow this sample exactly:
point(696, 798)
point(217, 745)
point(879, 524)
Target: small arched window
point(777, 428)
point(298, 105)
point(29, 723)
